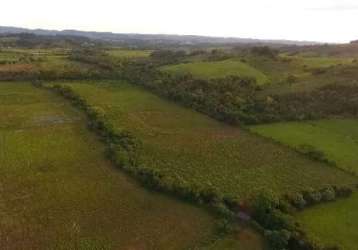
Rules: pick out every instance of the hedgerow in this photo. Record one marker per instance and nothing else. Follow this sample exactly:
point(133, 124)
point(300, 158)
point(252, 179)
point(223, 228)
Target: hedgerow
point(123, 150)
point(238, 100)
point(270, 215)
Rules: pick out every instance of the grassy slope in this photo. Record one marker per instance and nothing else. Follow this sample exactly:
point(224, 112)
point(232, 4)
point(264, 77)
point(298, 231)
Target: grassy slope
point(301, 67)
point(123, 53)
point(217, 69)
point(338, 139)
point(319, 62)
point(333, 223)
point(58, 191)
point(191, 147)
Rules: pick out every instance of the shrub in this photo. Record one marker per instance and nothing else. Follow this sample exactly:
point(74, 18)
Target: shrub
point(277, 239)
point(343, 191)
point(328, 194)
point(313, 153)
point(312, 196)
point(298, 201)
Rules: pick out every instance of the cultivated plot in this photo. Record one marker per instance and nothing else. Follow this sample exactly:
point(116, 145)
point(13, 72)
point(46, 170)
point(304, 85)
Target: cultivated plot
point(58, 191)
point(197, 151)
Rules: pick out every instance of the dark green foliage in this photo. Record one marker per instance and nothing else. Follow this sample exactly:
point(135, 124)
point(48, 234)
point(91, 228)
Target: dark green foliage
point(238, 100)
point(265, 52)
point(327, 101)
point(298, 201)
point(278, 239)
point(312, 196)
point(162, 57)
point(313, 153)
point(328, 194)
point(267, 213)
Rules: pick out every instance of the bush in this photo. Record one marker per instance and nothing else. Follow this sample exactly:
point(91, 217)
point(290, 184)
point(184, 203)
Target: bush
point(328, 194)
point(277, 239)
point(312, 196)
point(298, 201)
point(313, 153)
point(343, 191)
point(267, 213)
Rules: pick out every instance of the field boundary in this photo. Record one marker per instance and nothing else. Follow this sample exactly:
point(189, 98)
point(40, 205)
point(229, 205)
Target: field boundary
point(309, 154)
point(122, 150)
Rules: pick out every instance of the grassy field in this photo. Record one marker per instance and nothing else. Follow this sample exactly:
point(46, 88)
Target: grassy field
point(49, 63)
point(338, 139)
point(128, 54)
point(191, 148)
point(59, 192)
point(302, 68)
point(319, 62)
point(217, 70)
point(333, 223)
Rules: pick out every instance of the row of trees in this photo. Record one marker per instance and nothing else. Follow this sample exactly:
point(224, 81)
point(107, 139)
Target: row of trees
point(238, 100)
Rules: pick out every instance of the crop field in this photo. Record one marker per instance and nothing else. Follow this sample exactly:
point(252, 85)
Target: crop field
point(333, 223)
point(126, 53)
point(191, 148)
point(337, 139)
point(50, 63)
point(331, 70)
point(319, 62)
point(217, 70)
point(59, 192)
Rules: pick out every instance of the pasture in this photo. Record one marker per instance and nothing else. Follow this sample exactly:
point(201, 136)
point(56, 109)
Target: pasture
point(59, 192)
point(308, 72)
point(217, 69)
point(43, 63)
point(120, 53)
point(333, 224)
point(190, 148)
point(336, 138)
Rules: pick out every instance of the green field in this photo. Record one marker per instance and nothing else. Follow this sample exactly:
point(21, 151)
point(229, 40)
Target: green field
point(302, 68)
point(338, 139)
point(190, 148)
point(333, 223)
point(59, 192)
point(319, 62)
point(330, 223)
point(217, 70)
point(128, 54)
point(309, 61)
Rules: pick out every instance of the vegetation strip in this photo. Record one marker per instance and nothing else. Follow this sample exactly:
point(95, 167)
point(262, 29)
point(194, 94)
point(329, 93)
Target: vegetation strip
point(122, 150)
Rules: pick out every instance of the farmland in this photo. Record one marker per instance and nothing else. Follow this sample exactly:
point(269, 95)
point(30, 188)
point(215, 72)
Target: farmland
point(127, 54)
point(106, 144)
point(59, 192)
point(190, 148)
point(337, 139)
point(330, 224)
point(334, 223)
point(217, 69)
point(24, 64)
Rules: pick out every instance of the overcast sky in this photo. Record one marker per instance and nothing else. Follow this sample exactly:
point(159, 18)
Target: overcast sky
point(314, 20)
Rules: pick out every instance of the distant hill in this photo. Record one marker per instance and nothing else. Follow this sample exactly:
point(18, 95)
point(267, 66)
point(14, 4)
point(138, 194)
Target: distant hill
point(150, 39)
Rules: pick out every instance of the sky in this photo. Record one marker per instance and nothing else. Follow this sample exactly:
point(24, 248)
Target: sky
point(309, 20)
